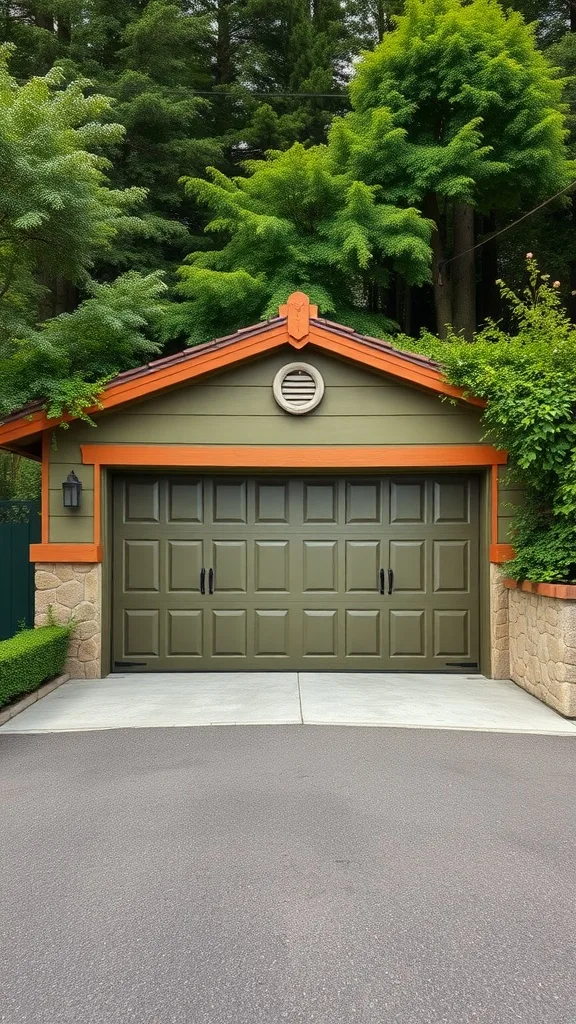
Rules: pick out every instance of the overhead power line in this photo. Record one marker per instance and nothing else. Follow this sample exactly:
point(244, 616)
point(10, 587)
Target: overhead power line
point(502, 231)
point(273, 95)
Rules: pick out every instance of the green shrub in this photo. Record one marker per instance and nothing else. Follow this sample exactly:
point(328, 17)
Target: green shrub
point(528, 377)
point(30, 658)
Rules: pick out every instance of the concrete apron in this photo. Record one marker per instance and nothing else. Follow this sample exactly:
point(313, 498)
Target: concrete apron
point(406, 700)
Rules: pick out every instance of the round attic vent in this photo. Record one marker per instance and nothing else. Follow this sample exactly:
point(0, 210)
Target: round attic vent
point(298, 388)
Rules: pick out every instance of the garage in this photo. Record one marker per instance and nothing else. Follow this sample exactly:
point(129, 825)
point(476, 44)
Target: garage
point(311, 572)
point(293, 497)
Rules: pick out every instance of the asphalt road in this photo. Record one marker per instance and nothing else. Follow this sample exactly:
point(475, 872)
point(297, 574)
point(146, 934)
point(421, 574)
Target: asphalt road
point(287, 874)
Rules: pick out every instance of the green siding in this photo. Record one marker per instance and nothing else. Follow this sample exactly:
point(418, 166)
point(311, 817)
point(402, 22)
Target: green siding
point(237, 407)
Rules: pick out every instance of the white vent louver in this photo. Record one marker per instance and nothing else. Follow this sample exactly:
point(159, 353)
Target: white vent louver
point(298, 388)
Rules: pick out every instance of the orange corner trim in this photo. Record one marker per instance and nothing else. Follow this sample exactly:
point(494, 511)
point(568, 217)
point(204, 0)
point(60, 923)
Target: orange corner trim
point(45, 491)
point(308, 457)
point(563, 591)
point(65, 553)
point(501, 553)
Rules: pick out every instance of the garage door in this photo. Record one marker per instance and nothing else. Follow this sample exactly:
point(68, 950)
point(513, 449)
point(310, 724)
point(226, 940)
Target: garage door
point(234, 573)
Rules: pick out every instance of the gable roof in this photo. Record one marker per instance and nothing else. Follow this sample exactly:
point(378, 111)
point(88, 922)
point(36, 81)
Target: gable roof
point(298, 325)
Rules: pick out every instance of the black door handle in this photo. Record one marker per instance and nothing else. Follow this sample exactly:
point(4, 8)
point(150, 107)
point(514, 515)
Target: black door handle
point(390, 581)
point(202, 581)
point(211, 581)
point(382, 584)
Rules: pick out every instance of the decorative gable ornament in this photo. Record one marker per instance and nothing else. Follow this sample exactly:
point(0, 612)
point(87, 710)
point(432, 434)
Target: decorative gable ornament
point(298, 388)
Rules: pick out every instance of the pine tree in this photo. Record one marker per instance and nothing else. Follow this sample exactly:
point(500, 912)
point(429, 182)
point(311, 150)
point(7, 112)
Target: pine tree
point(294, 223)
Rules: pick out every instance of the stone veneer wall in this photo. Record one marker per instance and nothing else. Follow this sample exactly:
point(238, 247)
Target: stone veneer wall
point(543, 648)
point(499, 627)
point(74, 589)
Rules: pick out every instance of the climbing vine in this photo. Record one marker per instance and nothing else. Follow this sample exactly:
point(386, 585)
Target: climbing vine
point(528, 376)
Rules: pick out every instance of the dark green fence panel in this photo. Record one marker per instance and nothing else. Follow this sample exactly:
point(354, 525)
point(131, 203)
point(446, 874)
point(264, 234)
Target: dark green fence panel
point(19, 527)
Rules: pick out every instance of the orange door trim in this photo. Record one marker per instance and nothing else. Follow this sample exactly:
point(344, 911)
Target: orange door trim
point(309, 457)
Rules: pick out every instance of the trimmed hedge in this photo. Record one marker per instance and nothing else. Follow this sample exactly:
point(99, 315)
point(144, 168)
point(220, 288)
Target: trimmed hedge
point(30, 658)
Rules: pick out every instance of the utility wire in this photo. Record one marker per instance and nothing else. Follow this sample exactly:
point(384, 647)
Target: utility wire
point(444, 263)
point(272, 95)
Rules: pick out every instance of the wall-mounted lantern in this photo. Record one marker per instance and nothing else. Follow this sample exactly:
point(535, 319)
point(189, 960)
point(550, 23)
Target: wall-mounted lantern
point(71, 491)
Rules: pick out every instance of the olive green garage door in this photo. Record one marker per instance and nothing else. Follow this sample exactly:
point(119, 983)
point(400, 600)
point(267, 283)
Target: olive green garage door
point(319, 574)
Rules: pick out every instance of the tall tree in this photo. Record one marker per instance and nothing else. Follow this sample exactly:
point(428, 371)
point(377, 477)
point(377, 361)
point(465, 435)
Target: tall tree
point(295, 223)
point(456, 111)
point(57, 214)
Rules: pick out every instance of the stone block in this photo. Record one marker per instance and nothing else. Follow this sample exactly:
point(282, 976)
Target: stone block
point(64, 572)
point(46, 580)
point(88, 650)
point(70, 594)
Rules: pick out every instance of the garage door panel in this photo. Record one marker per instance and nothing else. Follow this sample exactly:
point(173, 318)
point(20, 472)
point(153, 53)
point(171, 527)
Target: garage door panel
point(363, 563)
point(363, 501)
point(363, 633)
point(320, 566)
point(185, 633)
point(229, 564)
point(320, 632)
point(142, 501)
point(271, 502)
point(185, 561)
point(451, 501)
point(451, 566)
point(452, 633)
point(142, 566)
point(229, 633)
point(271, 633)
point(185, 501)
point(271, 566)
point(407, 501)
point(408, 563)
point(407, 633)
point(230, 501)
point(320, 502)
point(141, 633)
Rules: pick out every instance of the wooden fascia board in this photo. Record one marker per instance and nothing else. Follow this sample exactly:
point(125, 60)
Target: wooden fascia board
point(389, 362)
point(299, 457)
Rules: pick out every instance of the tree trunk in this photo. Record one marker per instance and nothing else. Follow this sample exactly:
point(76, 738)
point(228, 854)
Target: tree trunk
point(224, 69)
point(64, 29)
point(489, 304)
point(440, 277)
point(42, 19)
point(464, 272)
point(572, 8)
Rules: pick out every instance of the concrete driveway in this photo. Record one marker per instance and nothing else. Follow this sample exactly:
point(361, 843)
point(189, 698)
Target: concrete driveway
point(290, 698)
point(287, 874)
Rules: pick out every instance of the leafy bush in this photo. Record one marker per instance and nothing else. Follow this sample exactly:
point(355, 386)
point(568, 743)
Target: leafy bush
point(529, 380)
point(30, 658)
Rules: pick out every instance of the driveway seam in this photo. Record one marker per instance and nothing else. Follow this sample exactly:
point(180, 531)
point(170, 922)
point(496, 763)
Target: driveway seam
point(300, 698)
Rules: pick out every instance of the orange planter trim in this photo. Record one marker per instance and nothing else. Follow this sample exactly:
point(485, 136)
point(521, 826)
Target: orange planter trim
point(501, 553)
point(562, 591)
point(65, 553)
point(308, 457)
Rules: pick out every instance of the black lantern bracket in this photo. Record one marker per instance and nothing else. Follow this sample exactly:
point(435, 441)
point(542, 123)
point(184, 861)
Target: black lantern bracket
point(72, 491)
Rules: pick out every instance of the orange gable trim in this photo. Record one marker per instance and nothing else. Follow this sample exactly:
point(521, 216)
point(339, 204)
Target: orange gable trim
point(237, 352)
